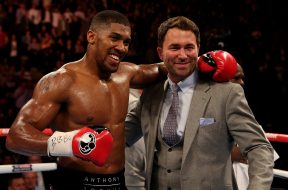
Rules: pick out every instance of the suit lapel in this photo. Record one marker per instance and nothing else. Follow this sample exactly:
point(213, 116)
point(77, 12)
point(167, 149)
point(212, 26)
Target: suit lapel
point(156, 105)
point(196, 110)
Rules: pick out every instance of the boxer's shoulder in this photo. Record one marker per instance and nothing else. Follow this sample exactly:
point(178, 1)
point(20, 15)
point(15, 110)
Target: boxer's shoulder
point(56, 81)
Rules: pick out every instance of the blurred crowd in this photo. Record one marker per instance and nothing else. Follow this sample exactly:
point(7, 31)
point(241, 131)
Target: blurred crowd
point(39, 36)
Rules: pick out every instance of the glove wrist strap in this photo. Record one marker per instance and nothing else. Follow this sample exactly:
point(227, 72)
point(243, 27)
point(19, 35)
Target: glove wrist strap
point(60, 143)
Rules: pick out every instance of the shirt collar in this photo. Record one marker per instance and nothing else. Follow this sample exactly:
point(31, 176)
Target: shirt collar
point(187, 83)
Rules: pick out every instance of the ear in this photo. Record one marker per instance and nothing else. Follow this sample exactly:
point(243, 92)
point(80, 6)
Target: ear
point(160, 53)
point(91, 37)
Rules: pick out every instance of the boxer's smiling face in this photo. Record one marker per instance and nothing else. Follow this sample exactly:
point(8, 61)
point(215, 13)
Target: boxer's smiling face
point(111, 43)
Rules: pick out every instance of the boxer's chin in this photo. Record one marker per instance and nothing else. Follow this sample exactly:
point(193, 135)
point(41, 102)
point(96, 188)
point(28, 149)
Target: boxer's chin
point(113, 68)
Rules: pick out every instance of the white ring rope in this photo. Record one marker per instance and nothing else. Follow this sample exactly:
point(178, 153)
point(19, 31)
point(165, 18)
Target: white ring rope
point(280, 173)
point(19, 168)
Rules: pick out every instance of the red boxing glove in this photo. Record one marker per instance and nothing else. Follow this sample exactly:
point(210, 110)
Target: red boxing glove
point(84, 143)
point(93, 146)
point(220, 64)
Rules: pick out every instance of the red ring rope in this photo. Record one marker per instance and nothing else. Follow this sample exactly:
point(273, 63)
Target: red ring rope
point(275, 137)
point(4, 131)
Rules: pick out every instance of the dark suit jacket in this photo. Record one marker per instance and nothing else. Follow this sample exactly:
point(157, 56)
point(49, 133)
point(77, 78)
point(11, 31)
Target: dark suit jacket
point(206, 162)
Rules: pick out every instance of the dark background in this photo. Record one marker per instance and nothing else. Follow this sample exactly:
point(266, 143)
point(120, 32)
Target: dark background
point(253, 31)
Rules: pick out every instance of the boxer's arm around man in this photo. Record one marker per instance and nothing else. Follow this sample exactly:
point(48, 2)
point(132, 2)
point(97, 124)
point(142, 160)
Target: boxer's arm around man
point(144, 75)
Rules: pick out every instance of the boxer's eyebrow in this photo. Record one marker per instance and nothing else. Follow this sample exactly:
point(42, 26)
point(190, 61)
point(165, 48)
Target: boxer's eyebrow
point(118, 36)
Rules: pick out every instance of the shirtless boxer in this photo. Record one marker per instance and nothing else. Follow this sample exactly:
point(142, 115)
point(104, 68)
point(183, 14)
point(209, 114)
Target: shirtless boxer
point(92, 91)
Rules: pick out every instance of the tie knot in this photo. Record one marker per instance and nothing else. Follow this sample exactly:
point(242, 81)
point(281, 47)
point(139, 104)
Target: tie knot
point(174, 88)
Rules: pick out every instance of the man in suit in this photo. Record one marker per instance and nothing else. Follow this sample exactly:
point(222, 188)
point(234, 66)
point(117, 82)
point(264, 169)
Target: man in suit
point(210, 116)
point(240, 167)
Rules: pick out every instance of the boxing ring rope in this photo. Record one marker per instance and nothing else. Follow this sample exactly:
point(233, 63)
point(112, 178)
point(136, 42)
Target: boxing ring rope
point(4, 131)
point(19, 168)
point(280, 173)
point(275, 137)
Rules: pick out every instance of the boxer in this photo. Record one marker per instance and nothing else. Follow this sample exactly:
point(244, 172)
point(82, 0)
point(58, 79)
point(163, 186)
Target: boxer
point(72, 100)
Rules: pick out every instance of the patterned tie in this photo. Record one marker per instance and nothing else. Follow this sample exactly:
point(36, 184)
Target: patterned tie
point(170, 125)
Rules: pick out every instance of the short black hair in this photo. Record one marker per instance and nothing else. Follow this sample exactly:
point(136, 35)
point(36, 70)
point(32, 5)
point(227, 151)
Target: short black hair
point(107, 17)
point(179, 22)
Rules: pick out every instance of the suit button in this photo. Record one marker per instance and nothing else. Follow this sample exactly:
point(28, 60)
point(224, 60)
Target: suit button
point(168, 171)
point(169, 149)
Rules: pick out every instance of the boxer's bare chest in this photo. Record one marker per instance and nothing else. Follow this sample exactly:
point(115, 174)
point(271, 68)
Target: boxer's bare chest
point(98, 102)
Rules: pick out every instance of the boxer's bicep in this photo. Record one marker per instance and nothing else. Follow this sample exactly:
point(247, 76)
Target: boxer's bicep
point(48, 96)
point(25, 134)
point(38, 114)
point(41, 109)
